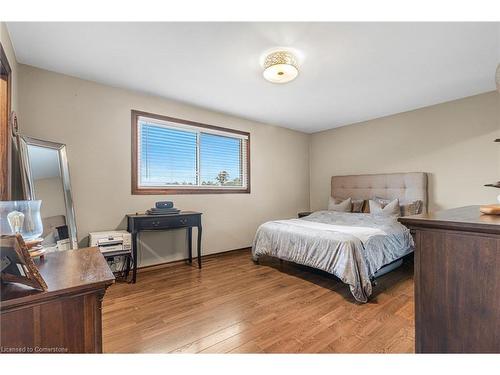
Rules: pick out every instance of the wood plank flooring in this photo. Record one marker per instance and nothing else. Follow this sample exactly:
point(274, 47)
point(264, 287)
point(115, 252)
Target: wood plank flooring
point(235, 306)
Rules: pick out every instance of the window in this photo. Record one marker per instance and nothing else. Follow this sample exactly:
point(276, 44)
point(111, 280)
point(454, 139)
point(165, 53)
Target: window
point(174, 156)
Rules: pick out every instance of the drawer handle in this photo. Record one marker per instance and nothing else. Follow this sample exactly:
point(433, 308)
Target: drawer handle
point(184, 221)
point(156, 223)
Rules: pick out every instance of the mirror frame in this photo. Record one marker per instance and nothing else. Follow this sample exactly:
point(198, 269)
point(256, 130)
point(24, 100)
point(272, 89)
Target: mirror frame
point(28, 185)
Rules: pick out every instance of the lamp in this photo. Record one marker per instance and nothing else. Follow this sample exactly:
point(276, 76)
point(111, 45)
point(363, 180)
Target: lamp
point(21, 217)
point(280, 67)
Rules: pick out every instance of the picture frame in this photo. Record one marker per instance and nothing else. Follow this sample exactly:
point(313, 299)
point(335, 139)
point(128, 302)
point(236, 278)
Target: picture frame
point(17, 266)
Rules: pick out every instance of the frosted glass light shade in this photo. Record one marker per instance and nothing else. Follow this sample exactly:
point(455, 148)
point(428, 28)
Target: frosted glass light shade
point(281, 73)
point(21, 217)
point(280, 67)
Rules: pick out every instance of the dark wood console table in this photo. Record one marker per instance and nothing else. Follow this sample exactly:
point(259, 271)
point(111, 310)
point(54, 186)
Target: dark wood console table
point(142, 222)
point(457, 281)
point(64, 319)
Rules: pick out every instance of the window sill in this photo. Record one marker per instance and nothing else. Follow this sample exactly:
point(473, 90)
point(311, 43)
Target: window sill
point(170, 191)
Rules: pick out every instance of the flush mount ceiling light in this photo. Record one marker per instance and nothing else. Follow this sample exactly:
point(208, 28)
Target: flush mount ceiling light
point(280, 67)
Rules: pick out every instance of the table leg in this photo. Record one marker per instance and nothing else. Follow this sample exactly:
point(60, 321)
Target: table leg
point(199, 246)
point(127, 270)
point(190, 243)
point(134, 255)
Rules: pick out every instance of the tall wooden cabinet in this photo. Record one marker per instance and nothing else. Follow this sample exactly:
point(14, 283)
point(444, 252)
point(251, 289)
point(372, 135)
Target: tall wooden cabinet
point(457, 281)
point(64, 319)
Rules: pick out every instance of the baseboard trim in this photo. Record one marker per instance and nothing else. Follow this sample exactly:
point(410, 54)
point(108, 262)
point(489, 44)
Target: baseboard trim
point(172, 263)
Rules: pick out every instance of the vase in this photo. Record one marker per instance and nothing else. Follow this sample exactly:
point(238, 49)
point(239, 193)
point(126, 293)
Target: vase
point(21, 217)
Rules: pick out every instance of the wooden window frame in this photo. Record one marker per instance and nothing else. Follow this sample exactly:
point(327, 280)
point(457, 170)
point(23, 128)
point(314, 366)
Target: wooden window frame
point(136, 190)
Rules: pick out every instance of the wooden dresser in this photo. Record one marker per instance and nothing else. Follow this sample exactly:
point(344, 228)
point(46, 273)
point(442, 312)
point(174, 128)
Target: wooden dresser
point(457, 281)
point(64, 319)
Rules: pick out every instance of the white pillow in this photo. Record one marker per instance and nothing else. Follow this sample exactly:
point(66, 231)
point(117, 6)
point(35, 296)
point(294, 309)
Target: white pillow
point(391, 208)
point(344, 206)
point(407, 208)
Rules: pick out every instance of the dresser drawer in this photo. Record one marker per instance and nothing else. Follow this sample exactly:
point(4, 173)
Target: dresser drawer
point(167, 222)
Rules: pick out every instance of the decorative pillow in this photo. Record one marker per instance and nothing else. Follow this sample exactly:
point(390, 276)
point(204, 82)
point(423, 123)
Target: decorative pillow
point(407, 208)
point(344, 206)
point(391, 208)
point(366, 207)
point(357, 205)
point(382, 201)
point(412, 208)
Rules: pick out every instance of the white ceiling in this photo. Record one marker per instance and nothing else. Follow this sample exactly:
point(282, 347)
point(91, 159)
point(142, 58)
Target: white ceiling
point(350, 72)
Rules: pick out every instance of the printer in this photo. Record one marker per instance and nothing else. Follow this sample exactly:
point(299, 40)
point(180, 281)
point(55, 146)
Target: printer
point(111, 242)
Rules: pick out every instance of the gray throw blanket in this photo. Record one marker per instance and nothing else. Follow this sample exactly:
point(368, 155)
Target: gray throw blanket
point(351, 246)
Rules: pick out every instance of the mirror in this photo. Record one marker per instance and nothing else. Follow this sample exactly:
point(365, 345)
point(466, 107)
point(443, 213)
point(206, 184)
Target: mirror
point(45, 177)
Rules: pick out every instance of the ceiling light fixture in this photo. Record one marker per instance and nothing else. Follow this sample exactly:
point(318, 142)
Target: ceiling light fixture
point(280, 67)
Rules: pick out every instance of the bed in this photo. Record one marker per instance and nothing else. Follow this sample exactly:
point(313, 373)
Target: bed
point(355, 247)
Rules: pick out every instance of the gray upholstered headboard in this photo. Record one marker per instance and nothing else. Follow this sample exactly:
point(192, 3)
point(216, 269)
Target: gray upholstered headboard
point(406, 187)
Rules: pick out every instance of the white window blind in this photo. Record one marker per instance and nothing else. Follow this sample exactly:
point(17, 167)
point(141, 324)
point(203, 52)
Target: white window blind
point(183, 156)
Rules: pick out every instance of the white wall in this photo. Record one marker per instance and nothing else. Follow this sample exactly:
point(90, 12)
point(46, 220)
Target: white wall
point(452, 141)
point(93, 120)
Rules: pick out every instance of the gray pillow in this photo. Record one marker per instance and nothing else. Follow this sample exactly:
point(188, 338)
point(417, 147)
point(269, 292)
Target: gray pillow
point(389, 209)
point(412, 208)
point(407, 208)
point(344, 206)
point(383, 201)
point(357, 204)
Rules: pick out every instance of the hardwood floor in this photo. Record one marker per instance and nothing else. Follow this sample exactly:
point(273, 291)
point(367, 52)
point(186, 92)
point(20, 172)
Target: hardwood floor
point(235, 306)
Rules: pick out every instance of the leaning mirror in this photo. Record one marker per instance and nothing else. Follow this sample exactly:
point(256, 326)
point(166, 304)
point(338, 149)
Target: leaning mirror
point(45, 177)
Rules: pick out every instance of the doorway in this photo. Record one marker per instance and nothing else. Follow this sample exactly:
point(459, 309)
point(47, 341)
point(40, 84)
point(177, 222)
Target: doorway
point(5, 157)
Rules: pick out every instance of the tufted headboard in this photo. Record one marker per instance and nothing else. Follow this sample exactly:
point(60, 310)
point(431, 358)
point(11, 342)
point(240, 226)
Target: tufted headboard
point(406, 187)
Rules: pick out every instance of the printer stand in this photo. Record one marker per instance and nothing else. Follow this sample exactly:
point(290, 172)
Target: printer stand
point(128, 259)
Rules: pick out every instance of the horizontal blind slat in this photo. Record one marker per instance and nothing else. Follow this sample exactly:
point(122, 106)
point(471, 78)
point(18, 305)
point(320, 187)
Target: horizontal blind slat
point(168, 156)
